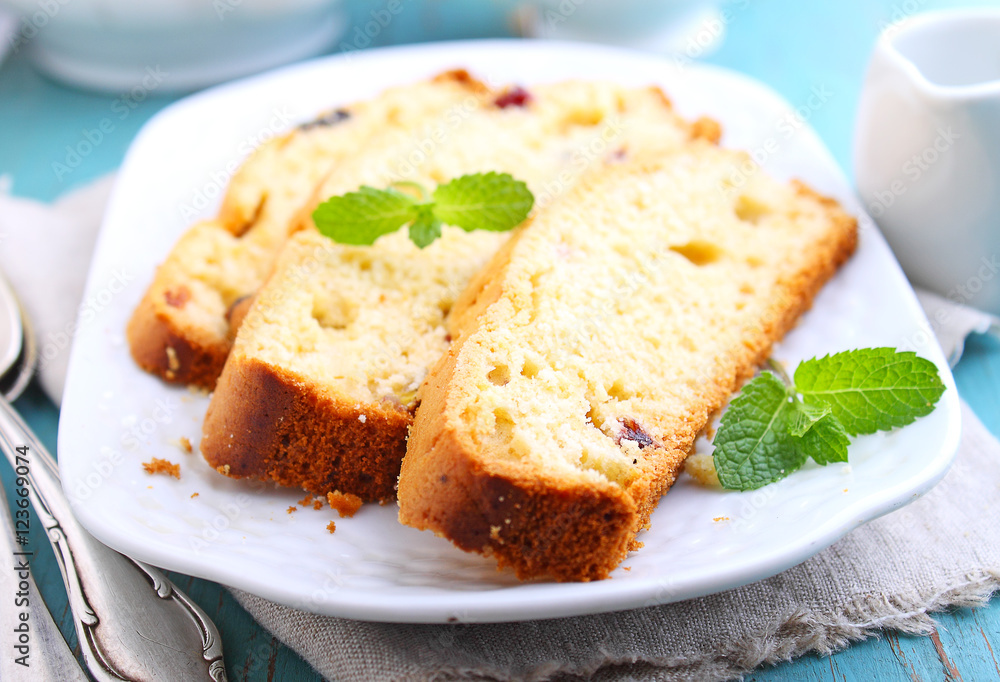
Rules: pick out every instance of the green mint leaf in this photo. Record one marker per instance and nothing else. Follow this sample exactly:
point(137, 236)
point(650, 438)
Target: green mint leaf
point(826, 440)
point(425, 229)
point(483, 201)
point(804, 417)
point(359, 218)
point(871, 389)
point(754, 445)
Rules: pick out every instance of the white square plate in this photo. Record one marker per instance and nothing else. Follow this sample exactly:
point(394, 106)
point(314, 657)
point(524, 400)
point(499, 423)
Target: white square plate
point(115, 417)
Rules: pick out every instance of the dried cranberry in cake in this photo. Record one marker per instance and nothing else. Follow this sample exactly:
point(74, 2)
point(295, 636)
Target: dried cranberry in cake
point(515, 97)
point(543, 458)
point(176, 298)
point(188, 342)
point(632, 431)
point(297, 404)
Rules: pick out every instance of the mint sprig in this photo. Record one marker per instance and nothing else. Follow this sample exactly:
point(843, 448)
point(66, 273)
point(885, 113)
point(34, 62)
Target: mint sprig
point(775, 425)
point(871, 389)
point(485, 201)
point(479, 201)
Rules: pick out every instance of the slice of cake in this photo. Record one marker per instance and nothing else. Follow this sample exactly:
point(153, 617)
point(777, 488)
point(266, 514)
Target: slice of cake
point(183, 328)
point(322, 381)
point(591, 352)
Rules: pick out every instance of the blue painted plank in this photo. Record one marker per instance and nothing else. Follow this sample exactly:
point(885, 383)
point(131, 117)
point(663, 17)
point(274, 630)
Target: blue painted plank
point(52, 139)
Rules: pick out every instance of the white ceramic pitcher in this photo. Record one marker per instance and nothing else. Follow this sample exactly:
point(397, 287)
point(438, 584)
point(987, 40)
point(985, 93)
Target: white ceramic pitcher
point(927, 151)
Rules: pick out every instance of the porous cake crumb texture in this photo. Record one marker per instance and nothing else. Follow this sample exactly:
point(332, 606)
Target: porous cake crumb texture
point(324, 376)
point(592, 351)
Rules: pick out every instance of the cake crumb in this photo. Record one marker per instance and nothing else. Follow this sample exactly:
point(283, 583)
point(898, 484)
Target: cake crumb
point(162, 466)
point(317, 504)
point(626, 568)
point(185, 444)
point(362, 418)
point(224, 469)
point(173, 364)
point(306, 501)
point(292, 509)
point(701, 468)
point(717, 519)
point(194, 495)
point(331, 526)
point(346, 504)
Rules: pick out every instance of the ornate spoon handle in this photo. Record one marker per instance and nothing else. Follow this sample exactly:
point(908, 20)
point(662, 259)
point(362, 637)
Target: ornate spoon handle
point(132, 623)
point(34, 649)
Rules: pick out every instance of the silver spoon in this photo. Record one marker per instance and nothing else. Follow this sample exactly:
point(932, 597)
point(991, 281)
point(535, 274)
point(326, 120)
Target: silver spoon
point(43, 653)
point(18, 350)
point(132, 623)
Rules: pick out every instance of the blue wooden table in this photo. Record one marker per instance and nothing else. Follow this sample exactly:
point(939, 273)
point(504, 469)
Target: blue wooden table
point(793, 46)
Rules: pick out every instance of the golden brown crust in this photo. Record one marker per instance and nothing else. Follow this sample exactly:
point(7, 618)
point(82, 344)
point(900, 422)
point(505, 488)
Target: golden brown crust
point(267, 424)
point(346, 504)
point(546, 527)
point(175, 355)
point(186, 351)
point(535, 527)
point(707, 129)
point(465, 79)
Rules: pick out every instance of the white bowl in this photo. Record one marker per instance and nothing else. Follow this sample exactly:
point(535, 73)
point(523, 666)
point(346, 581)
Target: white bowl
point(692, 27)
point(170, 45)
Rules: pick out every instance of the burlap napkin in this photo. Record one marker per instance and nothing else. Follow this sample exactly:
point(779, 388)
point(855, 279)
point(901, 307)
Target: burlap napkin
point(943, 550)
point(940, 551)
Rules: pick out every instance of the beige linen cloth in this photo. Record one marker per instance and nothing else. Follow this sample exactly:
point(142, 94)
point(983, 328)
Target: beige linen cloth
point(940, 551)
